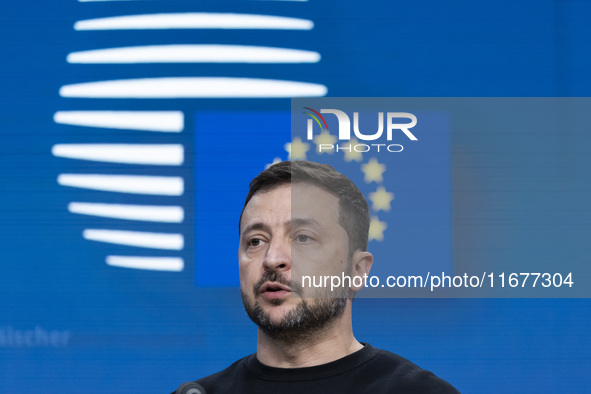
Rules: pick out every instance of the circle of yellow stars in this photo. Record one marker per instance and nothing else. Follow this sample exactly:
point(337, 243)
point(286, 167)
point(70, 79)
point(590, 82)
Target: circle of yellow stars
point(373, 171)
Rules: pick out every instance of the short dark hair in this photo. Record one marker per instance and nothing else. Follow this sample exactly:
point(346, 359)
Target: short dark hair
point(353, 208)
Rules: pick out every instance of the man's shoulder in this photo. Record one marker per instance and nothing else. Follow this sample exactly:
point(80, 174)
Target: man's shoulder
point(370, 370)
point(236, 370)
point(391, 370)
point(225, 379)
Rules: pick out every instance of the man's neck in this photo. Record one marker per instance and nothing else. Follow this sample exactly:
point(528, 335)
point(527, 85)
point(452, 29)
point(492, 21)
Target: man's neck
point(331, 344)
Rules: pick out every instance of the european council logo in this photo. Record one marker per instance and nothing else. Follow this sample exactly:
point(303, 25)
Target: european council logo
point(138, 105)
point(168, 134)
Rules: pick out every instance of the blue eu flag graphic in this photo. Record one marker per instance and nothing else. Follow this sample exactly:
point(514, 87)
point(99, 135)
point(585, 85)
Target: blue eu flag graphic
point(231, 148)
point(409, 192)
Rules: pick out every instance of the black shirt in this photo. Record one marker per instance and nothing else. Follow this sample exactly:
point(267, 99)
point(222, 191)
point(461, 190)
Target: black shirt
point(368, 370)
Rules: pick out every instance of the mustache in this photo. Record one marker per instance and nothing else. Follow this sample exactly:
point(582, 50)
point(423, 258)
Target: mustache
point(274, 276)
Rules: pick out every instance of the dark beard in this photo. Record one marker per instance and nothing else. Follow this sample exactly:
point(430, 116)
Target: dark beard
point(303, 322)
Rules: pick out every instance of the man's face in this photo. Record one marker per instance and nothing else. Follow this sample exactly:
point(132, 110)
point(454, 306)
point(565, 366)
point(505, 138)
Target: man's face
point(280, 235)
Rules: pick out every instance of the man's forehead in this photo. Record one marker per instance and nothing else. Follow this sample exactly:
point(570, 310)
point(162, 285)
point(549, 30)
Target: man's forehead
point(277, 198)
point(299, 194)
point(307, 198)
point(304, 203)
point(275, 195)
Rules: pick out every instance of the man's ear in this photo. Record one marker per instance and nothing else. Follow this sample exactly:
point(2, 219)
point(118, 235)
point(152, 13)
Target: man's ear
point(361, 265)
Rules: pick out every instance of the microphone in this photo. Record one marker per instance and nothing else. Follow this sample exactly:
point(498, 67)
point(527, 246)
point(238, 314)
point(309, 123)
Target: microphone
point(190, 388)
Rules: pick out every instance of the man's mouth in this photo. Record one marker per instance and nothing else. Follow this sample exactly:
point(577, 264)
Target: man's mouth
point(274, 290)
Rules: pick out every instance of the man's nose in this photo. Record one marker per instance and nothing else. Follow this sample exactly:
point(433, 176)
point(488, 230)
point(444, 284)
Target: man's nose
point(278, 257)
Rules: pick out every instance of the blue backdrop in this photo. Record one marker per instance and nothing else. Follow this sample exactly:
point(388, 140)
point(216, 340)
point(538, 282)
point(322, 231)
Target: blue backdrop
point(72, 319)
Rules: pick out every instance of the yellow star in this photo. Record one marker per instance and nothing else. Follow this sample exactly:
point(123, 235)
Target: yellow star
point(376, 229)
point(297, 149)
point(373, 171)
point(381, 199)
point(325, 138)
point(353, 155)
point(275, 161)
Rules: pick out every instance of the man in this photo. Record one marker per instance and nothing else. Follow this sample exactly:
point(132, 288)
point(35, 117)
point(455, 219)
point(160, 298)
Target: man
point(305, 219)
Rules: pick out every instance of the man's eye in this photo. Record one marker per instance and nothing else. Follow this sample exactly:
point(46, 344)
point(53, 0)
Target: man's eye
point(255, 242)
point(303, 238)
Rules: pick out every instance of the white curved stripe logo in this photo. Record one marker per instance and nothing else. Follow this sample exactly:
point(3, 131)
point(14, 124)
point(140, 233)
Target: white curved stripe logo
point(195, 20)
point(194, 54)
point(136, 238)
point(194, 87)
point(147, 263)
point(135, 184)
point(146, 213)
point(140, 81)
point(166, 154)
point(162, 121)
